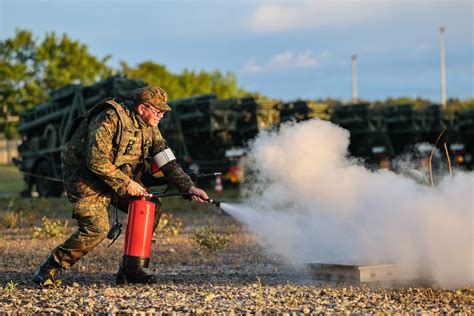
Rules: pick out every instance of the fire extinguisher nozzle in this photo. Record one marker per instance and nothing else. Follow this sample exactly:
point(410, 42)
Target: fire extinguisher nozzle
point(216, 203)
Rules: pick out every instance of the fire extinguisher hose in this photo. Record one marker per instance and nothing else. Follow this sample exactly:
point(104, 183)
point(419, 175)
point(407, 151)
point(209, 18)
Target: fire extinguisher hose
point(184, 194)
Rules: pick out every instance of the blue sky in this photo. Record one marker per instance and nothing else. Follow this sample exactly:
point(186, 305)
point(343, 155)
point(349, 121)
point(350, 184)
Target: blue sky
point(283, 49)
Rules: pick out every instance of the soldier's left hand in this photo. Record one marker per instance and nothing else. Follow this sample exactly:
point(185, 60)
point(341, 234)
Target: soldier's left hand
point(199, 195)
point(135, 189)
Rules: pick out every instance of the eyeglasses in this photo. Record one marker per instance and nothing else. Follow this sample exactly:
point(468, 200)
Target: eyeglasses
point(155, 112)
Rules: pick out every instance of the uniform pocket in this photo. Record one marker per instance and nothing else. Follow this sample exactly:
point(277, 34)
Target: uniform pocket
point(91, 206)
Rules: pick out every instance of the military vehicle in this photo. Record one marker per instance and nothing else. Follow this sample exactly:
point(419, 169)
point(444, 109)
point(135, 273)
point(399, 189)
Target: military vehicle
point(44, 129)
point(213, 131)
point(407, 126)
point(368, 133)
point(235, 121)
point(199, 129)
point(301, 110)
point(378, 134)
point(186, 128)
point(462, 137)
point(193, 117)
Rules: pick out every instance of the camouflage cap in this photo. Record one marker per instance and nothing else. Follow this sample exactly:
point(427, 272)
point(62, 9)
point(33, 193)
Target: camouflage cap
point(152, 96)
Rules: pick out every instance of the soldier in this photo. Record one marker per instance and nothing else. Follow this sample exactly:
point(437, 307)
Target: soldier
point(102, 163)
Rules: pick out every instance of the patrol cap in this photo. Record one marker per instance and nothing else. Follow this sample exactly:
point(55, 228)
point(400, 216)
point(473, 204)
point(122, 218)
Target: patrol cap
point(152, 96)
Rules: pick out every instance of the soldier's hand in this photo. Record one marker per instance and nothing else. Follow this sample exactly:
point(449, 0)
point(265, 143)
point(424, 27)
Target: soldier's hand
point(199, 195)
point(135, 189)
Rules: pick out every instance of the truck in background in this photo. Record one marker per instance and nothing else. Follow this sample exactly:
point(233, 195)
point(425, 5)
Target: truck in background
point(43, 130)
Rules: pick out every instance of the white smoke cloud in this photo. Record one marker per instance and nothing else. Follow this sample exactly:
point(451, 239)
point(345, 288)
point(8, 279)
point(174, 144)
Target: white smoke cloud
point(310, 203)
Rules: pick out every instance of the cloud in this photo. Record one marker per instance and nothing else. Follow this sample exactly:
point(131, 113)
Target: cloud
point(313, 14)
point(251, 67)
point(289, 59)
point(286, 60)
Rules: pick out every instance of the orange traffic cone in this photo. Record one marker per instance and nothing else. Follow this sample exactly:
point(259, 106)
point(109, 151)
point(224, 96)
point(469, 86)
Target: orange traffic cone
point(218, 185)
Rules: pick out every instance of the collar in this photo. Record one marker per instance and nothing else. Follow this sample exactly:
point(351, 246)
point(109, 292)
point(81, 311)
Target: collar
point(139, 120)
point(136, 118)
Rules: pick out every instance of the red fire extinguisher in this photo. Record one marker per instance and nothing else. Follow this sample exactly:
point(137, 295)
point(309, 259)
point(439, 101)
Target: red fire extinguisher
point(136, 252)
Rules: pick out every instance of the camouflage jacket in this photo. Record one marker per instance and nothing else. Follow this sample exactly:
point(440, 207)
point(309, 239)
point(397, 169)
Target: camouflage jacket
point(108, 150)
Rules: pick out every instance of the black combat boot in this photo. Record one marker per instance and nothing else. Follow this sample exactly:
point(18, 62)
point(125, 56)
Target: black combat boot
point(48, 270)
point(128, 275)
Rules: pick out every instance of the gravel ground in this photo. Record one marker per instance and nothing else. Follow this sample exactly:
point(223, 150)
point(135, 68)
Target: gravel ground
point(242, 278)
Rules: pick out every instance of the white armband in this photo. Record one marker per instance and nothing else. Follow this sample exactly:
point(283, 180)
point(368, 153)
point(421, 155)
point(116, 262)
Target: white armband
point(163, 157)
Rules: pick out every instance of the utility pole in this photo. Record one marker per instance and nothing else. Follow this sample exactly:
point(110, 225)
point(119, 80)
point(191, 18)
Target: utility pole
point(355, 97)
point(443, 68)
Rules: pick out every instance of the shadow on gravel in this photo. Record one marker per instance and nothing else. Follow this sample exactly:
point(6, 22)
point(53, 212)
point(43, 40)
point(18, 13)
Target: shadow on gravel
point(103, 278)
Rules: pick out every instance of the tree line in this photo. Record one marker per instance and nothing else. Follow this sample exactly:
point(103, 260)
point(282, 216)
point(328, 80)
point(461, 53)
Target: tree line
point(31, 67)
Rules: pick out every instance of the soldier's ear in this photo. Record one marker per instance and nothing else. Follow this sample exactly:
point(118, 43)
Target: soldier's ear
point(140, 108)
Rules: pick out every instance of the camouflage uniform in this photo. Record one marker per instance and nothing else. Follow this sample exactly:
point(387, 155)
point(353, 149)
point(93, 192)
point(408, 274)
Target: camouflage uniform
point(105, 153)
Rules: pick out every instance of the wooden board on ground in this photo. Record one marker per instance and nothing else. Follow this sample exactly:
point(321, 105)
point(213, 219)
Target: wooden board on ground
point(351, 273)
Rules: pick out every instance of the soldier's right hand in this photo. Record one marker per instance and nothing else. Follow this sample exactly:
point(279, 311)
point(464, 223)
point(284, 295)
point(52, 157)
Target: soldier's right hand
point(135, 189)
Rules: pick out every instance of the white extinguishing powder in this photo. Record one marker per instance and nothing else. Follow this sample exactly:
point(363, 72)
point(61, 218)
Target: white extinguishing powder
point(309, 202)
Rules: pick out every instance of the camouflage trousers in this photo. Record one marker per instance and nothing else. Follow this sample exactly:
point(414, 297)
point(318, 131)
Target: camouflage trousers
point(92, 215)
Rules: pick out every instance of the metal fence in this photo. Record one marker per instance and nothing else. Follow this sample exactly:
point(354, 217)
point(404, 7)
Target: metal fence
point(8, 150)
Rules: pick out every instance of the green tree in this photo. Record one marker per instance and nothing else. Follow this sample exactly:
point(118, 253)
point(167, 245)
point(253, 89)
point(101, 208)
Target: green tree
point(459, 105)
point(19, 88)
point(188, 82)
point(468, 103)
point(64, 61)
point(417, 103)
point(153, 74)
point(30, 69)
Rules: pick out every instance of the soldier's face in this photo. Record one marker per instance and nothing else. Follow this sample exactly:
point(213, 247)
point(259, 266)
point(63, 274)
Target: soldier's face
point(149, 115)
